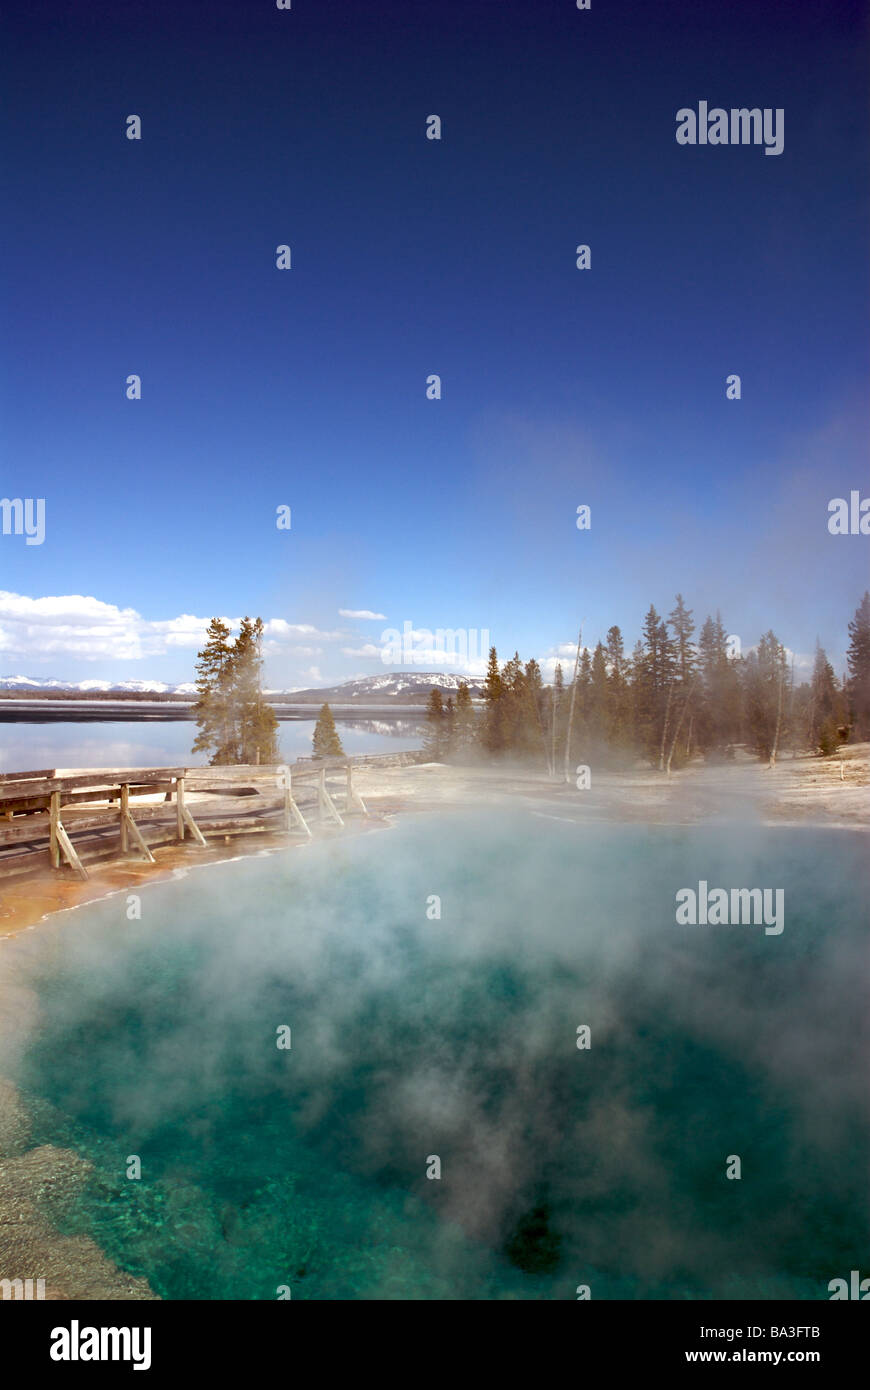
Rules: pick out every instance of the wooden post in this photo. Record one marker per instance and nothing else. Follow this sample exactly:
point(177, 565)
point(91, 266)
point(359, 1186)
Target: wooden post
point(69, 852)
point(61, 842)
point(54, 821)
point(353, 799)
point(292, 814)
point(137, 836)
point(327, 805)
point(179, 807)
point(194, 829)
point(125, 811)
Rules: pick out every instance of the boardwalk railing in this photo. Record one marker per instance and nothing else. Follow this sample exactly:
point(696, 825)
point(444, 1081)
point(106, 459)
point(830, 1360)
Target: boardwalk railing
point(42, 811)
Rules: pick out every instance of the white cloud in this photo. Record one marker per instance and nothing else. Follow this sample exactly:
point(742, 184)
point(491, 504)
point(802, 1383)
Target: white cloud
point(564, 655)
point(369, 650)
point(279, 627)
point(69, 625)
point(185, 631)
point(85, 628)
point(361, 613)
point(278, 648)
point(435, 658)
point(548, 666)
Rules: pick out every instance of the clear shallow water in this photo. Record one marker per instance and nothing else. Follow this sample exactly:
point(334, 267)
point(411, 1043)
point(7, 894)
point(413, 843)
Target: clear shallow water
point(457, 1037)
point(167, 743)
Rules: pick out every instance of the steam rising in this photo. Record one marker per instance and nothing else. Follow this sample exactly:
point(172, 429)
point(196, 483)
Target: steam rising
point(457, 1037)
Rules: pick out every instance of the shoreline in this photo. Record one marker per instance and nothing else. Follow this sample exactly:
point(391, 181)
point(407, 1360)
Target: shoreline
point(23, 905)
point(172, 711)
point(695, 796)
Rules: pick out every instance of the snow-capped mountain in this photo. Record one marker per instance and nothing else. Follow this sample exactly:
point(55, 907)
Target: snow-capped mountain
point(412, 687)
point(407, 687)
point(86, 687)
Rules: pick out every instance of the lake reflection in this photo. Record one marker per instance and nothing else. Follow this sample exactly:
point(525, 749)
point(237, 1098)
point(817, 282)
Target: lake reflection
point(166, 743)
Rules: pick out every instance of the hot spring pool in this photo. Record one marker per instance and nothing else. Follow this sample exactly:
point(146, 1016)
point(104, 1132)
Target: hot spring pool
point(415, 1037)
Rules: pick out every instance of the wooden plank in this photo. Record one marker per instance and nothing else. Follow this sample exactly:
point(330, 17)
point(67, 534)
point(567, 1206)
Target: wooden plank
point(18, 805)
point(98, 780)
point(103, 779)
point(20, 776)
point(231, 829)
point(38, 803)
point(114, 777)
point(226, 788)
point(248, 772)
point(179, 808)
point(124, 815)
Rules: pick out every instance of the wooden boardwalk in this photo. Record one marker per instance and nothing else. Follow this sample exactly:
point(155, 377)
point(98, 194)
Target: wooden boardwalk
point(67, 819)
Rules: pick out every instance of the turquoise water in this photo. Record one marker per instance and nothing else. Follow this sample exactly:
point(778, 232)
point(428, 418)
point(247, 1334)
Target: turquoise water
point(415, 1036)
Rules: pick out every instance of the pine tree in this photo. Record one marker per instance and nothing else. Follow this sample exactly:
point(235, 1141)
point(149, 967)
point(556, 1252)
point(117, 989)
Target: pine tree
point(720, 698)
point(434, 741)
point(683, 627)
point(618, 703)
point(464, 724)
point(671, 698)
point(597, 712)
point(493, 733)
point(654, 686)
point(523, 733)
point(765, 683)
point(449, 749)
point(235, 724)
point(824, 707)
point(213, 710)
point(326, 741)
point(637, 696)
point(256, 723)
point(536, 697)
point(858, 661)
point(681, 692)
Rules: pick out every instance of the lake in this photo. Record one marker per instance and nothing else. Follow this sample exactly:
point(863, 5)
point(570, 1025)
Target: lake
point(166, 743)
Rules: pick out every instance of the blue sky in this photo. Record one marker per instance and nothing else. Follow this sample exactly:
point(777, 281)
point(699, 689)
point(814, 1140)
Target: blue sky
point(307, 387)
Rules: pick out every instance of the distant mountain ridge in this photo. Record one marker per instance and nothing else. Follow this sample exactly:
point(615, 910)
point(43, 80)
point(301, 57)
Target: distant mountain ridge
point(403, 687)
point(99, 687)
point(407, 687)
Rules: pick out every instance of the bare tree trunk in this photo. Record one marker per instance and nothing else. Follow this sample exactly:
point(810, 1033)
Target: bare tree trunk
point(552, 767)
point(677, 729)
point(571, 707)
point(791, 710)
point(774, 749)
point(665, 728)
